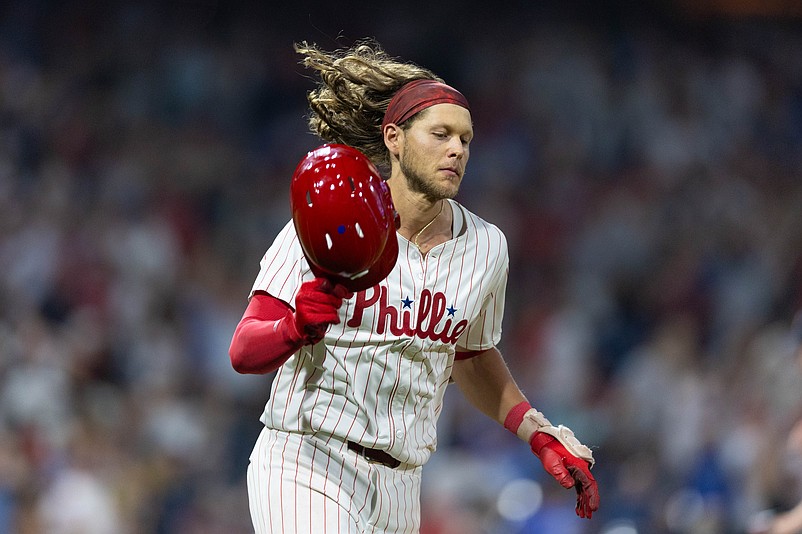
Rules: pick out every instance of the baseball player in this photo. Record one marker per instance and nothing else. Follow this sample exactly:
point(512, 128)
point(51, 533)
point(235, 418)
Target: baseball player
point(362, 371)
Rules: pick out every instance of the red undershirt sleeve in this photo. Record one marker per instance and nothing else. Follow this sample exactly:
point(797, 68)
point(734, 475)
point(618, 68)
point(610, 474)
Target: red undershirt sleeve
point(467, 354)
point(265, 336)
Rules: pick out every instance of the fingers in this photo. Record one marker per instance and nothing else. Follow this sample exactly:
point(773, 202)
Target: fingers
point(325, 286)
point(587, 499)
point(322, 284)
point(321, 293)
point(323, 301)
point(317, 306)
point(342, 292)
point(569, 471)
point(583, 508)
point(554, 465)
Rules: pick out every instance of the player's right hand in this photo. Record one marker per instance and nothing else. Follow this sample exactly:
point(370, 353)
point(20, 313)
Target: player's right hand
point(316, 307)
point(568, 470)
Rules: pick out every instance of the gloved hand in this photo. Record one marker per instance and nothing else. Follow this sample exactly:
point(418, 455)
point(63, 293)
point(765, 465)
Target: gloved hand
point(316, 307)
point(568, 470)
point(562, 455)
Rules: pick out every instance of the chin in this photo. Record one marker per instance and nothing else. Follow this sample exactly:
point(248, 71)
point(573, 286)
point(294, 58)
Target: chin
point(451, 192)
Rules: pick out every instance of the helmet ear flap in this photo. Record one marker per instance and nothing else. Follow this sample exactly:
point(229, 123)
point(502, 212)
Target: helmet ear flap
point(344, 216)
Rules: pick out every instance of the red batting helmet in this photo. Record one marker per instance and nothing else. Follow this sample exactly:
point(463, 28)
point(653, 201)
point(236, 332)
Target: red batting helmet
point(344, 217)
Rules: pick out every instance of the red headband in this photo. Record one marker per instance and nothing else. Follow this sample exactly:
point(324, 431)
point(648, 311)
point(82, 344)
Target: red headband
point(418, 95)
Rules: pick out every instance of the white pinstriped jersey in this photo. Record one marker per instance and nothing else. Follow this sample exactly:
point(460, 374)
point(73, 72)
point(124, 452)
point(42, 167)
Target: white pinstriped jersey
point(379, 376)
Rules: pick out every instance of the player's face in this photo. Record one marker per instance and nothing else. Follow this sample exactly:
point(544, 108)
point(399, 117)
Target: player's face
point(436, 149)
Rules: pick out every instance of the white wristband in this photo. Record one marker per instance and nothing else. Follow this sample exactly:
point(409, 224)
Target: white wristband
point(534, 421)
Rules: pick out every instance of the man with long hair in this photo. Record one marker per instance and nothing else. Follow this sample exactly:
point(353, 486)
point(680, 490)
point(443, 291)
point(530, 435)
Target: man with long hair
point(351, 418)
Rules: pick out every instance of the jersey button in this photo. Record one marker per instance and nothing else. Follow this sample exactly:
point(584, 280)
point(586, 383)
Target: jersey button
point(399, 434)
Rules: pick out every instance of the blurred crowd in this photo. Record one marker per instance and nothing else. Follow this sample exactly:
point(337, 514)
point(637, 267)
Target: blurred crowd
point(647, 173)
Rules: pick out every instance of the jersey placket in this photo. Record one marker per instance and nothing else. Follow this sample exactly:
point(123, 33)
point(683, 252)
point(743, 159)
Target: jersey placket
point(400, 404)
point(418, 268)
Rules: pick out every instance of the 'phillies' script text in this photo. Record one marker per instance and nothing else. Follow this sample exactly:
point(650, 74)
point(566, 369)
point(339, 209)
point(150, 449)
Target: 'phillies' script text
point(431, 310)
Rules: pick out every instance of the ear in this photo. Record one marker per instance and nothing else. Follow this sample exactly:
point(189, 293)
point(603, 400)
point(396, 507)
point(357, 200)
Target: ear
point(393, 138)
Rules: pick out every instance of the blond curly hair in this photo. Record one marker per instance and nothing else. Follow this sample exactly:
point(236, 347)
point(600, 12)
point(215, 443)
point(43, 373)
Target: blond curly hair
point(355, 87)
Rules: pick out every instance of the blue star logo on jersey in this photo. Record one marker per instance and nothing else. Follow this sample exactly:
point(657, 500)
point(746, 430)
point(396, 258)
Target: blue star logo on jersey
point(451, 310)
point(407, 303)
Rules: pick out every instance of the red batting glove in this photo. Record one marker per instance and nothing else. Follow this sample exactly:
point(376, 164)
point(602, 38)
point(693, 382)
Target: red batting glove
point(568, 470)
point(316, 307)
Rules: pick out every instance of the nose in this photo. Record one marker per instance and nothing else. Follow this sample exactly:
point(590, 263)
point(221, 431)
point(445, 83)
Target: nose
point(456, 149)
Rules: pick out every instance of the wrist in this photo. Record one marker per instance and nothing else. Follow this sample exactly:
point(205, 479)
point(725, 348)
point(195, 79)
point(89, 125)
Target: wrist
point(525, 421)
point(517, 423)
point(289, 331)
point(532, 427)
point(515, 416)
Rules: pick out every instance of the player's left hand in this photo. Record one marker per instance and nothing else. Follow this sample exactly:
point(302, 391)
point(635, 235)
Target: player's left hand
point(568, 470)
point(316, 308)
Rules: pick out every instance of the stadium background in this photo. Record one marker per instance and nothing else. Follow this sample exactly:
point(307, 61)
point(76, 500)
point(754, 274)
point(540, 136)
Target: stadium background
point(644, 159)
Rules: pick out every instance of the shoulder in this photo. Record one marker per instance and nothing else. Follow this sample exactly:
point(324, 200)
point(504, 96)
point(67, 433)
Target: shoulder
point(285, 249)
point(475, 227)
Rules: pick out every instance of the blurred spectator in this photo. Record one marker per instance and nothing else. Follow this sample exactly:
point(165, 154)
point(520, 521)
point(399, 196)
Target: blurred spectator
point(787, 519)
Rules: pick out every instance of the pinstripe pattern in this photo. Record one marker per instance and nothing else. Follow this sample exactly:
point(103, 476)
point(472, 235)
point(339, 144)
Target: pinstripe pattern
point(302, 484)
point(380, 376)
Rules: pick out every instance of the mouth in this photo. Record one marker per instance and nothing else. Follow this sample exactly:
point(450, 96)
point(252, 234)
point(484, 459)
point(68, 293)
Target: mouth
point(452, 172)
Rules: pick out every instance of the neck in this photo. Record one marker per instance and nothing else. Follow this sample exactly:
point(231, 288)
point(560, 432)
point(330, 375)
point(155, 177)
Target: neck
point(416, 236)
point(418, 214)
point(414, 209)
point(430, 227)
